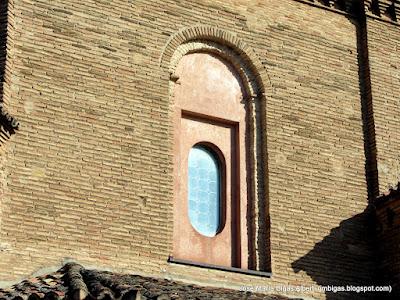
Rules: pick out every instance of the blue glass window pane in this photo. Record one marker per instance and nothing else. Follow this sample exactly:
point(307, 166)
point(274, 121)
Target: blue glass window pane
point(204, 186)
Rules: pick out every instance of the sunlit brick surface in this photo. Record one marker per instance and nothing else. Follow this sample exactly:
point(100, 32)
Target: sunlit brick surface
point(89, 174)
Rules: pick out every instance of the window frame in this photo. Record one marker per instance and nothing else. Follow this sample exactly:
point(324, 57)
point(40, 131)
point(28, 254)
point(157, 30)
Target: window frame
point(220, 160)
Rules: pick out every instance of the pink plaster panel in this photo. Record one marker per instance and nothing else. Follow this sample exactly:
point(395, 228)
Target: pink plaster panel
point(208, 85)
point(209, 107)
point(190, 244)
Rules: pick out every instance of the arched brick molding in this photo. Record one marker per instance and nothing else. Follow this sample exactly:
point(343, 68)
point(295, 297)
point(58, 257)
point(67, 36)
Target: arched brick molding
point(258, 88)
point(226, 40)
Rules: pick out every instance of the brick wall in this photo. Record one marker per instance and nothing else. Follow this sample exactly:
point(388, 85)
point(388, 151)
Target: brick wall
point(89, 174)
point(388, 239)
point(3, 39)
point(384, 53)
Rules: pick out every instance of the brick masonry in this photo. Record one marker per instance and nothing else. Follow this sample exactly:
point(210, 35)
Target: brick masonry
point(384, 47)
point(388, 238)
point(89, 174)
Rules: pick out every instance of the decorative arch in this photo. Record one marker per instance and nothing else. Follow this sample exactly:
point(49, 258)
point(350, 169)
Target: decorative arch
point(221, 42)
point(257, 85)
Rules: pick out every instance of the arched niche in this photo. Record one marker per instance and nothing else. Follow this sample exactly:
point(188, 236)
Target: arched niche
point(231, 96)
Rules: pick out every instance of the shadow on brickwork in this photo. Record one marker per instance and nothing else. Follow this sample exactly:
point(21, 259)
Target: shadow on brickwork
point(8, 124)
point(348, 255)
point(344, 257)
point(3, 42)
point(364, 76)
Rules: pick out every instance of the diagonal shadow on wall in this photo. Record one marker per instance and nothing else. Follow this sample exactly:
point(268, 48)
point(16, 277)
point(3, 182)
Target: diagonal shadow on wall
point(344, 257)
point(347, 256)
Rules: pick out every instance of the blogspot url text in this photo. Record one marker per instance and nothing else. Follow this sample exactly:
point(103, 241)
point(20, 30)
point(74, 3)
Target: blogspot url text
point(316, 288)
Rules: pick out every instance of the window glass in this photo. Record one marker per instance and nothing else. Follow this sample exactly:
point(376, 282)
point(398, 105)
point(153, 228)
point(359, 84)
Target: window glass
point(204, 191)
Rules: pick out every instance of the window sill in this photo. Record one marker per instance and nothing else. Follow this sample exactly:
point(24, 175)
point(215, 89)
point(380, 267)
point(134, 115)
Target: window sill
point(219, 268)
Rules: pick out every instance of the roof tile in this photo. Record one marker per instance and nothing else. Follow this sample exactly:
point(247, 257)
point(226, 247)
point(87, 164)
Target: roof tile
point(75, 282)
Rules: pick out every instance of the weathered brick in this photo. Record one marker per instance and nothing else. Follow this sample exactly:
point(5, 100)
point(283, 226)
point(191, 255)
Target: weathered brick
point(89, 174)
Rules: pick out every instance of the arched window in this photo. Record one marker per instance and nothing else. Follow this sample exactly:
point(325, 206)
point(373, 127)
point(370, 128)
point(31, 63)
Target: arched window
point(211, 176)
point(219, 200)
point(204, 190)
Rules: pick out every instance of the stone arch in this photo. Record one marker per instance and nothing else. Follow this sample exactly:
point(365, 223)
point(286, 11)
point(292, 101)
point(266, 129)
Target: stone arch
point(258, 88)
